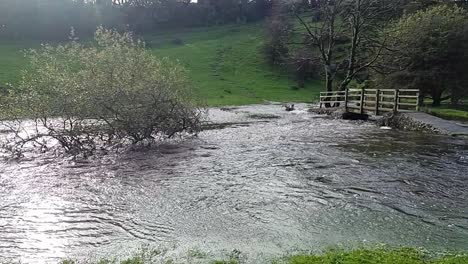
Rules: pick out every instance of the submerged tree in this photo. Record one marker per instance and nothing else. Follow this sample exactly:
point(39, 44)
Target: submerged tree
point(84, 97)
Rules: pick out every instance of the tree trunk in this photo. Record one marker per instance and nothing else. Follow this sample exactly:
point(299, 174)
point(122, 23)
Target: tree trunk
point(436, 102)
point(328, 79)
point(300, 81)
point(328, 86)
point(301, 73)
point(455, 99)
point(436, 98)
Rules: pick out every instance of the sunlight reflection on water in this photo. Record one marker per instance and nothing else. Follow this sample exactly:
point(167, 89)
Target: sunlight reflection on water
point(263, 186)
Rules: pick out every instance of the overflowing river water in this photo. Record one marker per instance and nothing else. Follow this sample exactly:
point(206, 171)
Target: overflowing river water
point(263, 182)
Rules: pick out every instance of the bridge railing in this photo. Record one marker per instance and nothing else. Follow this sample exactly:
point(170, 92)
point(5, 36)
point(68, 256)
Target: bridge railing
point(332, 98)
point(372, 101)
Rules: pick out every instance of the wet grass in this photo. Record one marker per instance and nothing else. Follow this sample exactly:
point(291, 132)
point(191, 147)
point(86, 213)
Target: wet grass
point(459, 113)
point(225, 63)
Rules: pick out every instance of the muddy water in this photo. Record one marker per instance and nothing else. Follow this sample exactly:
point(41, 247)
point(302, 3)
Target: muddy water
point(268, 182)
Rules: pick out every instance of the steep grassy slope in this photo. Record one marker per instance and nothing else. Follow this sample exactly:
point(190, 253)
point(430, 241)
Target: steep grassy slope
point(225, 64)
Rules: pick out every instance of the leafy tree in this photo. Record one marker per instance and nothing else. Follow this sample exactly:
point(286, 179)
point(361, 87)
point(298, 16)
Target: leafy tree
point(428, 52)
point(87, 97)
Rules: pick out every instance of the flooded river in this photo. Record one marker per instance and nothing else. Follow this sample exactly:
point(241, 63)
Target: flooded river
point(263, 182)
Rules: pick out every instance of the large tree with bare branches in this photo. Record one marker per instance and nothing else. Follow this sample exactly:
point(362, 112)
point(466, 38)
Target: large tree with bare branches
point(347, 38)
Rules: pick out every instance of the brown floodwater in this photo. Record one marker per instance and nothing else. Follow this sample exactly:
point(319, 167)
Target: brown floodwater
point(259, 180)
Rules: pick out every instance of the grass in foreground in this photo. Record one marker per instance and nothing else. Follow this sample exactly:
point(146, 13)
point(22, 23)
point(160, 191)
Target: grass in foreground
point(378, 256)
point(459, 113)
point(358, 256)
point(225, 63)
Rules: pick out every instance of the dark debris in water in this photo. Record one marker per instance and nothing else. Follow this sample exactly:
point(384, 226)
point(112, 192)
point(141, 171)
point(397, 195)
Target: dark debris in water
point(218, 126)
point(228, 109)
point(263, 116)
point(6, 131)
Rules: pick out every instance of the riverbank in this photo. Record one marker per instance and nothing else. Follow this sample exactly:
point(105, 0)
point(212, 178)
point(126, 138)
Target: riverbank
point(380, 255)
point(423, 122)
point(408, 121)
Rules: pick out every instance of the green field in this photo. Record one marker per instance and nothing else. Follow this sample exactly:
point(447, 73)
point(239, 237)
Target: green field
point(225, 64)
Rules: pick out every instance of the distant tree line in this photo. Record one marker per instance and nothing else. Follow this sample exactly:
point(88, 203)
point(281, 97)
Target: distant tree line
point(52, 19)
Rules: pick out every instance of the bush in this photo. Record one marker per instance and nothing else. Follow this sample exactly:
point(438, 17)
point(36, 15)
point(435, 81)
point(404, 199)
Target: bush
point(114, 91)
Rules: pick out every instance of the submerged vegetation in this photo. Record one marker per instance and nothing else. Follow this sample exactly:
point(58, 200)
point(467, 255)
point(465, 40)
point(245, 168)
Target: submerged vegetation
point(89, 97)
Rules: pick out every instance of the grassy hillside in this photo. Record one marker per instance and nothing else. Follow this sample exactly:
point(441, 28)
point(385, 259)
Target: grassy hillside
point(12, 61)
point(225, 64)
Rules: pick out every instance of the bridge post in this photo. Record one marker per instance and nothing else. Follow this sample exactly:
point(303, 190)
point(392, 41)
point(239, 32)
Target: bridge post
point(361, 110)
point(346, 100)
point(377, 101)
point(395, 106)
point(418, 102)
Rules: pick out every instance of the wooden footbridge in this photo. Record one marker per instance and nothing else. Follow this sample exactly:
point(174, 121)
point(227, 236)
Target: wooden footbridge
point(381, 101)
point(372, 101)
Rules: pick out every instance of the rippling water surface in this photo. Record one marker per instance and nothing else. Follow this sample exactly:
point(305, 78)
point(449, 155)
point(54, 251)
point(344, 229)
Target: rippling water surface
point(260, 185)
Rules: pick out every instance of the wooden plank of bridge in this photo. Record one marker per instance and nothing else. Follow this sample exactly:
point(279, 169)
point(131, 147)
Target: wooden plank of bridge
point(377, 102)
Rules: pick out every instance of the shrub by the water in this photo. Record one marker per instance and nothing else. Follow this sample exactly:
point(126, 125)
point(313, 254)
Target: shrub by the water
point(112, 91)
